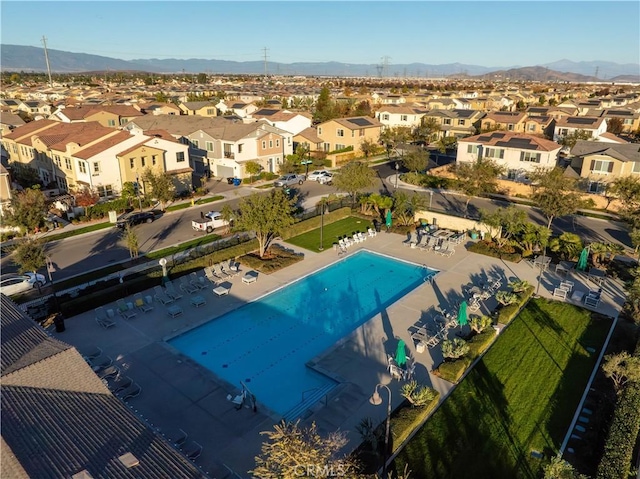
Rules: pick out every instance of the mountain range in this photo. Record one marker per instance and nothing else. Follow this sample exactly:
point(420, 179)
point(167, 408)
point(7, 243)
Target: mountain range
point(32, 59)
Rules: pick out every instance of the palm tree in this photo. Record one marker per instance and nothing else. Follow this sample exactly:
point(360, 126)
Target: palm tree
point(569, 245)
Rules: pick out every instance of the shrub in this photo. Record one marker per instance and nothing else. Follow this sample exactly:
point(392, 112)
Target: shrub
point(417, 395)
point(452, 371)
point(488, 248)
point(507, 313)
point(405, 419)
point(278, 258)
point(454, 348)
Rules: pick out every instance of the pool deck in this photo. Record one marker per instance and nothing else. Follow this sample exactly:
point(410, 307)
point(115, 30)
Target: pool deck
point(177, 393)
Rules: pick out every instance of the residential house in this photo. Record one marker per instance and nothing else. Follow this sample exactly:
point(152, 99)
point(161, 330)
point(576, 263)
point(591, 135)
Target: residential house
point(596, 126)
point(396, 116)
point(239, 108)
point(550, 111)
point(342, 133)
point(512, 121)
point(35, 108)
point(160, 109)
point(310, 139)
point(440, 104)
point(539, 125)
point(293, 122)
point(455, 123)
point(59, 419)
point(518, 154)
point(198, 108)
point(9, 121)
point(630, 119)
point(11, 104)
point(112, 116)
point(5, 190)
point(599, 163)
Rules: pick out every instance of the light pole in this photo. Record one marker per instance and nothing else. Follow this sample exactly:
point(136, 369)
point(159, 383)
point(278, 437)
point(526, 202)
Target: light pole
point(430, 198)
point(53, 286)
point(138, 193)
point(376, 400)
point(541, 265)
point(163, 263)
point(307, 163)
point(397, 171)
point(321, 248)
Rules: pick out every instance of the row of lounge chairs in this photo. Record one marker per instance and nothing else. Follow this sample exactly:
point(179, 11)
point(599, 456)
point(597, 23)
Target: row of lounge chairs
point(122, 386)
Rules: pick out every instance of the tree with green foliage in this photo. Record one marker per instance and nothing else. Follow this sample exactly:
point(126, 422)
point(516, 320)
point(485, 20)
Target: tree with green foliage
point(571, 139)
point(505, 298)
point(368, 147)
point(130, 237)
point(325, 108)
point(635, 239)
point(558, 468)
point(291, 449)
point(28, 209)
point(569, 245)
point(376, 202)
point(555, 194)
point(615, 125)
point(162, 187)
point(201, 78)
point(446, 143)
point(24, 175)
point(393, 138)
point(627, 190)
point(454, 348)
point(509, 221)
point(477, 178)
point(621, 368)
point(268, 216)
point(533, 236)
point(406, 205)
point(352, 178)
point(480, 323)
point(161, 97)
point(416, 161)
point(542, 100)
point(519, 285)
point(29, 256)
point(632, 304)
point(426, 132)
point(253, 168)
point(418, 395)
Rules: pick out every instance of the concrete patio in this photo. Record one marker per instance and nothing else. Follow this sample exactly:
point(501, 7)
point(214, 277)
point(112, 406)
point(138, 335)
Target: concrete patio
point(177, 393)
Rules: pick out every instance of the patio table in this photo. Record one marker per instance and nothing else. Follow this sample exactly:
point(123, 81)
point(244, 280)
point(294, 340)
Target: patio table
point(198, 301)
point(174, 310)
point(542, 262)
point(564, 267)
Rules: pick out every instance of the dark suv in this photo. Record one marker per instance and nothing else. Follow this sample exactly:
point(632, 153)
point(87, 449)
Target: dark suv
point(136, 219)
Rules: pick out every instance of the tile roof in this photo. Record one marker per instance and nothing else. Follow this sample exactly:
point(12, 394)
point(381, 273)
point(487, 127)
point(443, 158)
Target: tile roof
point(25, 131)
point(8, 118)
point(357, 122)
point(506, 116)
point(310, 134)
point(105, 144)
point(517, 141)
point(83, 133)
point(59, 419)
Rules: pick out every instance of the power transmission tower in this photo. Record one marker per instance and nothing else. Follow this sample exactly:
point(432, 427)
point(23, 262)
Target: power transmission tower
point(264, 51)
point(596, 74)
point(379, 69)
point(46, 58)
point(385, 63)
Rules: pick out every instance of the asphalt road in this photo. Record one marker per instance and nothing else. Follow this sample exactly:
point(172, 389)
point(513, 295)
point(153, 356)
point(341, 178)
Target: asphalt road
point(77, 255)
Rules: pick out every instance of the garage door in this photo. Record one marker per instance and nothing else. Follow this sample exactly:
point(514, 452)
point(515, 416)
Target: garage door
point(224, 171)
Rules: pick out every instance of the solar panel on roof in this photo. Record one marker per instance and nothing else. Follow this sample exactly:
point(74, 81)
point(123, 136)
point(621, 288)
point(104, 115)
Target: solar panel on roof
point(360, 121)
point(581, 121)
point(484, 138)
point(498, 135)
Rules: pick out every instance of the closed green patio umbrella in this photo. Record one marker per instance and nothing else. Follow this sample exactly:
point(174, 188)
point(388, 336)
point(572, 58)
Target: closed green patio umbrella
point(401, 354)
point(462, 314)
point(582, 261)
point(388, 220)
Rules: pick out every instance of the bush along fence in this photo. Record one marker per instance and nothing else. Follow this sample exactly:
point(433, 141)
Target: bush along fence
point(88, 296)
point(453, 371)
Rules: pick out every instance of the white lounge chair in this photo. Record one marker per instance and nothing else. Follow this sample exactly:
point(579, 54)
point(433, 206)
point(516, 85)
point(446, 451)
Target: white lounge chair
point(139, 303)
point(211, 275)
point(161, 296)
point(185, 286)
point(102, 319)
point(124, 310)
point(229, 273)
point(372, 232)
point(217, 268)
point(197, 281)
point(171, 291)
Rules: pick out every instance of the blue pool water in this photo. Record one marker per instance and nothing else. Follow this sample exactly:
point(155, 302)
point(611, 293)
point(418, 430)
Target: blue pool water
point(267, 342)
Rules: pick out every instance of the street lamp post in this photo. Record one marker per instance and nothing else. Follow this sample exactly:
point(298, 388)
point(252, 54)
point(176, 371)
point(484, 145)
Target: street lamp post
point(376, 400)
point(321, 248)
point(430, 198)
point(397, 171)
point(49, 263)
point(541, 265)
point(163, 263)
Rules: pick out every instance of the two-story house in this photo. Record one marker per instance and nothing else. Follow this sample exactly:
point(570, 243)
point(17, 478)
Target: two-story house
point(539, 125)
point(111, 116)
point(511, 121)
point(395, 116)
point(599, 163)
point(286, 120)
point(455, 123)
point(160, 109)
point(5, 190)
point(518, 154)
point(198, 108)
point(341, 133)
point(630, 119)
point(234, 107)
point(595, 126)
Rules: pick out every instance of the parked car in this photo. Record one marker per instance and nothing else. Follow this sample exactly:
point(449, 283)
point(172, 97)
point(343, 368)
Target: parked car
point(136, 219)
point(315, 175)
point(290, 179)
point(326, 179)
point(11, 284)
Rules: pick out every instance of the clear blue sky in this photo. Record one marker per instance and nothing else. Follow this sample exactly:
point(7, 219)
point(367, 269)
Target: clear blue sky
point(364, 32)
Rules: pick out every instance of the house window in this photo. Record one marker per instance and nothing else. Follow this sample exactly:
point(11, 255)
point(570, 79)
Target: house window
point(82, 167)
point(153, 159)
point(512, 174)
point(111, 122)
point(210, 111)
point(601, 166)
point(319, 130)
point(277, 143)
point(564, 131)
point(143, 161)
point(494, 153)
point(56, 159)
point(67, 163)
point(180, 156)
point(530, 156)
point(461, 122)
point(209, 145)
point(270, 143)
point(195, 143)
point(96, 167)
point(62, 183)
point(123, 121)
point(264, 145)
point(339, 146)
point(628, 121)
point(339, 132)
point(403, 117)
point(360, 133)
point(385, 117)
point(636, 167)
point(596, 187)
point(104, 191)
point(532, 127)
point(472, 149)
point(510, 127)
point(240, 147)
point(446, 121)
point(132, 163)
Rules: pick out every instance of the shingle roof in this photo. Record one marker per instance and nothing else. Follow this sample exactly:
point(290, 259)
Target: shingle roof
point(310, 134)
point(620, 151)
point(181, 125)
point(58, 419)
point(581, 122)
point(512, 140)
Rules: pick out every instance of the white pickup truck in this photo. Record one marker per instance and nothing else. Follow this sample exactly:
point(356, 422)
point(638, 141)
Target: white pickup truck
point(210, 221)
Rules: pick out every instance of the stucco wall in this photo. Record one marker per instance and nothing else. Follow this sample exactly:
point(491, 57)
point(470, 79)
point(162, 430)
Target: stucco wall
point(451, 222)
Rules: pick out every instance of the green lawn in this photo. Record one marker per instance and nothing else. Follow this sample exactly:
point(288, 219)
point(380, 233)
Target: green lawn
point(520, 397)
point(330, 233)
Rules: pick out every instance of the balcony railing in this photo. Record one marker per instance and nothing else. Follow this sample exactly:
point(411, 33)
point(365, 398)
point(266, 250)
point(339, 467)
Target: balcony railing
point(229, 154)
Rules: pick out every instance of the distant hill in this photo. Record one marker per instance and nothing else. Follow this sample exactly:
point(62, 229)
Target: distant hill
point(24, 58)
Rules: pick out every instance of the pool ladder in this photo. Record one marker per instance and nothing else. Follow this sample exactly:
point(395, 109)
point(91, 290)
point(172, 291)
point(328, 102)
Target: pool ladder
point(308, 399)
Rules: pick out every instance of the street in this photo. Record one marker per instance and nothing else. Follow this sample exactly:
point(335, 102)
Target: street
point(76, 255)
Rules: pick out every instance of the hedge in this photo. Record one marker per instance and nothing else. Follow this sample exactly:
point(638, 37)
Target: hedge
point(507, 313)
point(485, 248)
point(623, 433)
point(314, 223)
point(406, 418)
point(452, 371)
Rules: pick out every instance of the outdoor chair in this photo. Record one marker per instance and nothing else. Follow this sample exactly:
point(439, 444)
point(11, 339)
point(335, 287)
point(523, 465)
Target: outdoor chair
point(121, 384)
point(230, 274)
point(92, 354)
point(185, 286)
point(234, 266)
point(361, 236)
point(139, 303)
point(560, 293)
point(420, 335)
point(197, 281)
point(100, 363)
point(171, 291)
point(132, 391)
point(217, 268)
point(109, 372)
point(372, 232)
point(123, 309)
point(102, 319)
point(161, 296)
point(211, 275)
point(193, 450)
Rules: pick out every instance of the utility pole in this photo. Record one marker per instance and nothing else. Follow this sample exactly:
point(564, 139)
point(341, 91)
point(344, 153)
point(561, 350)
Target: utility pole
point(264, 52)
point(46, 58)
point(385, 63)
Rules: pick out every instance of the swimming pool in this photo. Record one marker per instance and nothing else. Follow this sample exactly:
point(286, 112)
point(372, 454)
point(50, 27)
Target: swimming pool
point(267, 342)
